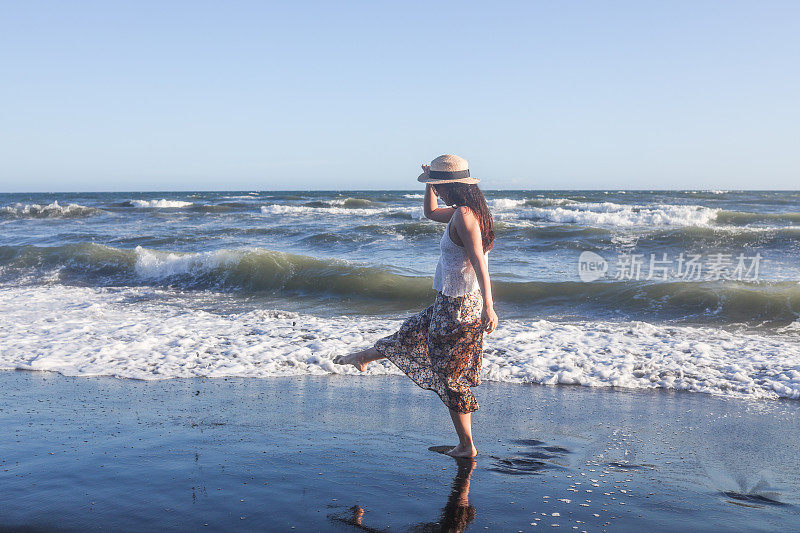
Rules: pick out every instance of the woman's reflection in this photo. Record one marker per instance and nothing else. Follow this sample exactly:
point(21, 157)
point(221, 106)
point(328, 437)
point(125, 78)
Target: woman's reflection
point(456, 514)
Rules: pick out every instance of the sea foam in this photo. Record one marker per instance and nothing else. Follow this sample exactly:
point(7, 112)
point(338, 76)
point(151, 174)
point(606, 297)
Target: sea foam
point(619, 215)
point(160, 204)
point(131, 333)
point(304, 210)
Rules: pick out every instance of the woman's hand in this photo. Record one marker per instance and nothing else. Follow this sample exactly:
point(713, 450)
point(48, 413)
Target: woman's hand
point(489, 318)
point(426, 169)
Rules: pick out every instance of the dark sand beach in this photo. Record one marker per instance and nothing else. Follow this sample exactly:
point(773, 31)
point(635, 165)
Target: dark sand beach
point(346, 453)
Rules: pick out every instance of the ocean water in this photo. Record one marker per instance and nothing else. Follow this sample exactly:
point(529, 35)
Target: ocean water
point(699, 289)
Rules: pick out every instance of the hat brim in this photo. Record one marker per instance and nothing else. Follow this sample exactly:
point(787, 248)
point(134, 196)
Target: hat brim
point(426, 178)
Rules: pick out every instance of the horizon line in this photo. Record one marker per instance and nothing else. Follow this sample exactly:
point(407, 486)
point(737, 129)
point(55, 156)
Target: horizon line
point(383, 190)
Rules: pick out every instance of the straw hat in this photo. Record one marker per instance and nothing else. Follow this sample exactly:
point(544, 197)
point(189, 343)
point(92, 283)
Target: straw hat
point(448, 168)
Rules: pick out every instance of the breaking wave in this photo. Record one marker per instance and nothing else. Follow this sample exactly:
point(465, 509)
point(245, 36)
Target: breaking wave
point(160, 204)
point(54, 210)
point(258, 270)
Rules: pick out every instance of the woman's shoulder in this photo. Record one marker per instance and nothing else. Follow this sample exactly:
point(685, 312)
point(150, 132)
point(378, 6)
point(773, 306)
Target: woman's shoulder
point(464, 215)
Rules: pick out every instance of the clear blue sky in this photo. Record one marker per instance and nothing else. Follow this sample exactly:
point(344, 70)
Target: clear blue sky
point(106, 95)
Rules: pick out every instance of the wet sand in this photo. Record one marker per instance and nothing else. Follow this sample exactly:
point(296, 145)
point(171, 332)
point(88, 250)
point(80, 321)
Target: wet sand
point(345, 453)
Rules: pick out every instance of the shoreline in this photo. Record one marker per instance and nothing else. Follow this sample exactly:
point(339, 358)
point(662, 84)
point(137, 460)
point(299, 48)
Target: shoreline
point(292, 452)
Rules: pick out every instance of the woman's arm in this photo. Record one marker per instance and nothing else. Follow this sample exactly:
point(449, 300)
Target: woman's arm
point(469, 230)
point(430, 206)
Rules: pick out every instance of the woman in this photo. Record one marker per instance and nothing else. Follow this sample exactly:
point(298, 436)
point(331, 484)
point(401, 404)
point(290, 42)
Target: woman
point(441, 347)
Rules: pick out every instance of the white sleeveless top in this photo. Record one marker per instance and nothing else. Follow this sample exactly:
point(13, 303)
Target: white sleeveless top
point(454, 273)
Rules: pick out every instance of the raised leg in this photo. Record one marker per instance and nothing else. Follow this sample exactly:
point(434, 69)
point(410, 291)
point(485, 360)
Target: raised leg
point(361, 359)
point(463, 424)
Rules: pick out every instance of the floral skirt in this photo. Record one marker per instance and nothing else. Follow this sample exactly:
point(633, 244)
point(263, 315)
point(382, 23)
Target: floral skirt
point(441, 348)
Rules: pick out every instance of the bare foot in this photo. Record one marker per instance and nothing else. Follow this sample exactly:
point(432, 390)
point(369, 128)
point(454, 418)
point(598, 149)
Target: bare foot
point(358, 514)
point(355, 359)
point(463, 451)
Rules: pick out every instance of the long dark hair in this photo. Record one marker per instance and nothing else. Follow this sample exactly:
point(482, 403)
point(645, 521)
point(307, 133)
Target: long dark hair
point(471, 196)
